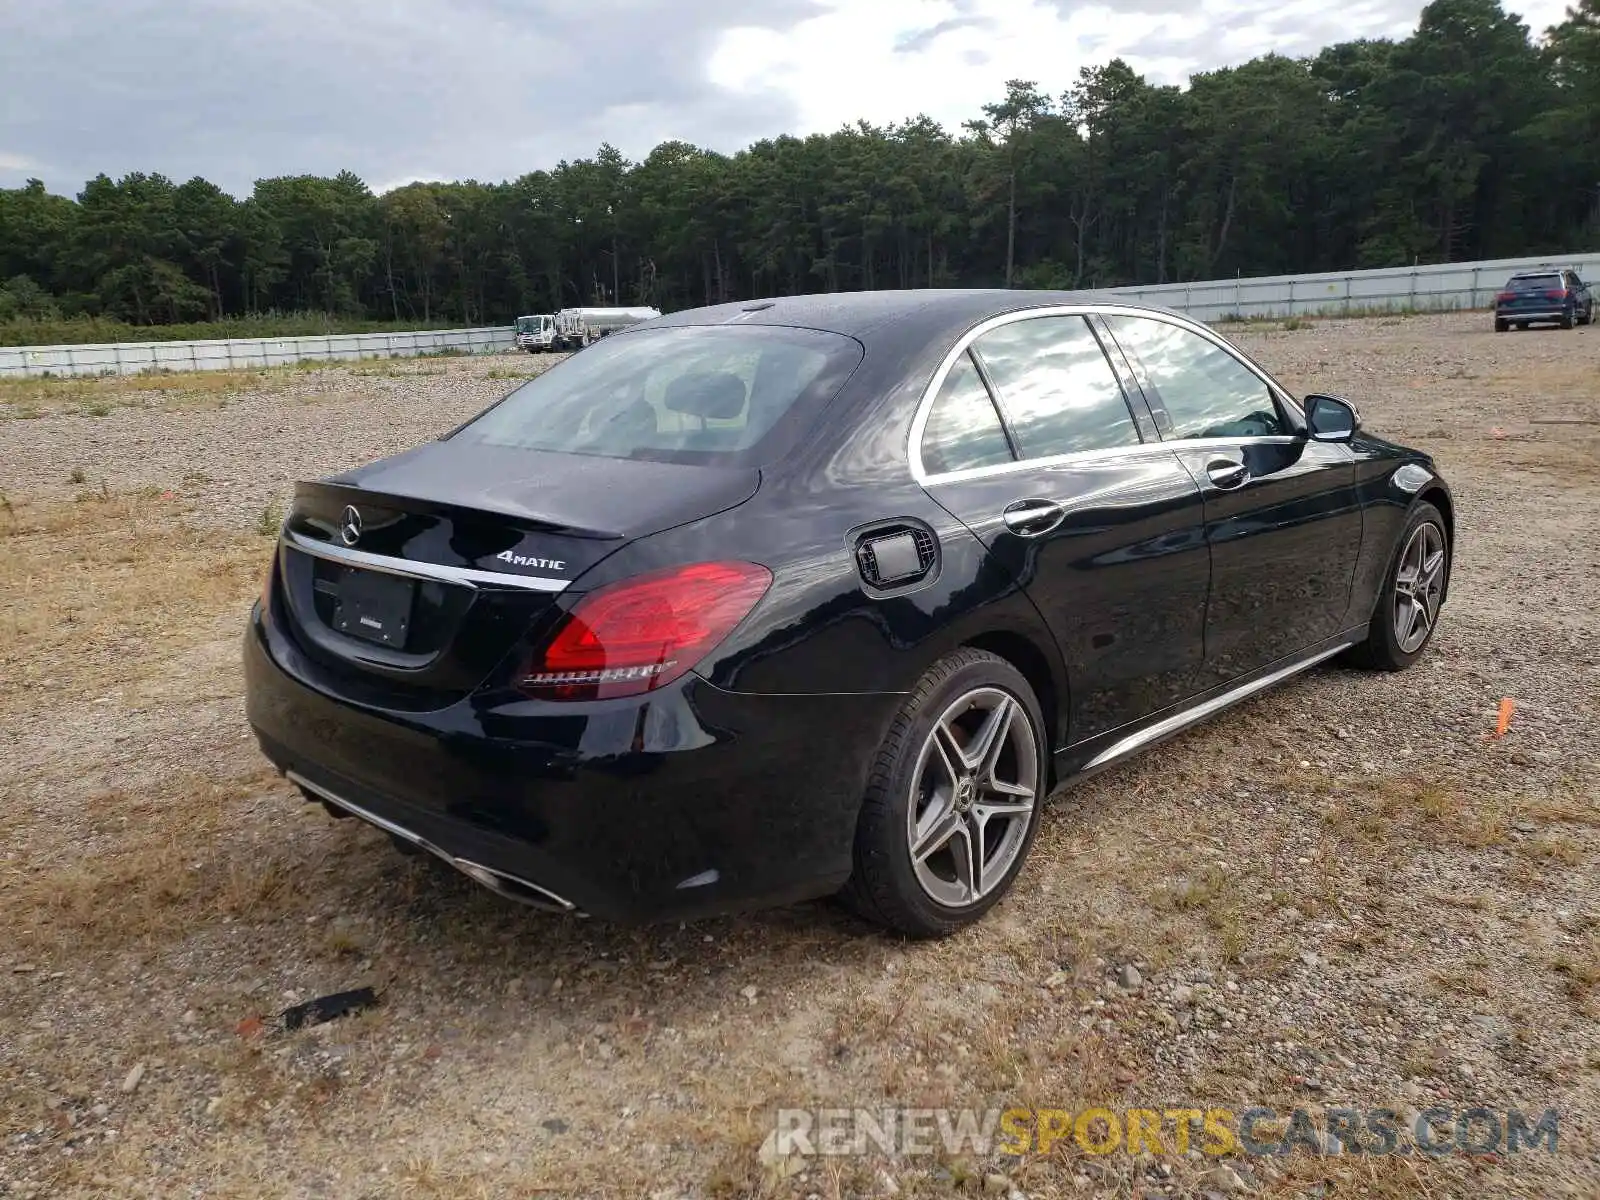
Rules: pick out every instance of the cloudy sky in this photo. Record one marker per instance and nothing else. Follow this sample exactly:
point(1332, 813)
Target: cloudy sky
point(397, 90)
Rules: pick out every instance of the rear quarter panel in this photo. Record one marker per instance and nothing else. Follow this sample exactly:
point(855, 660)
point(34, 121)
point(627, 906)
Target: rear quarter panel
point(819, 629)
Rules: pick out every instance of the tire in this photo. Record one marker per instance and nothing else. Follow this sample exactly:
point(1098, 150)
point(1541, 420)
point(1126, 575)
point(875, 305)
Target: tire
point(1385, 649)
point(912, 784)
point(1568, 320)
point(1501, 326)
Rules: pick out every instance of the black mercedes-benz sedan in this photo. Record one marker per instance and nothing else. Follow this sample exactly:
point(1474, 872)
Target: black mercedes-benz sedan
point(823, 595)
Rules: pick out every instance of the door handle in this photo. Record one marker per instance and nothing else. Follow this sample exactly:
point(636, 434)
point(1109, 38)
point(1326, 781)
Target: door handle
point(1032, 518)
point(1227, 474)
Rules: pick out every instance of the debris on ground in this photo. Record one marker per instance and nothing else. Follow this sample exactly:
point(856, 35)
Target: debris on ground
point(328, 1008)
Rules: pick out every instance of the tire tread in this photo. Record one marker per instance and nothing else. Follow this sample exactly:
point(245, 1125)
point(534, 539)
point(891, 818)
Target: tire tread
point(870, 892)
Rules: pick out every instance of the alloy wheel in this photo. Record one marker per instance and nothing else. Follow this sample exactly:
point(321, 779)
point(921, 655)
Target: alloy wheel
point(1418, 587)
point(975, 787)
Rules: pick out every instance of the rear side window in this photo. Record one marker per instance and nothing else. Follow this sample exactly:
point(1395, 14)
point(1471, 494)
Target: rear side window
point(963, 429)
point(694, 394)
point(1056, 387)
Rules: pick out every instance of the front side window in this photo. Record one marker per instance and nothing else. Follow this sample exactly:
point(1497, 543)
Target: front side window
point(694, 394)
point(1056, 386)
point(1207, 392)
point(963, 429)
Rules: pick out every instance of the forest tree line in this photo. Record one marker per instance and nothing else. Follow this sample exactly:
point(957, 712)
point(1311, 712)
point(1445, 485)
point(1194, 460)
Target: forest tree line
point(1466, 140)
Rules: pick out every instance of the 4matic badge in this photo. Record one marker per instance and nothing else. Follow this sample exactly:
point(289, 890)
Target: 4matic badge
point(518, 560)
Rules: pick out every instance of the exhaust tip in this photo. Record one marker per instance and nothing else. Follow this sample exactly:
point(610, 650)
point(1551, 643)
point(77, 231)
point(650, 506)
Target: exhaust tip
point(513, 888)
point(509, 886)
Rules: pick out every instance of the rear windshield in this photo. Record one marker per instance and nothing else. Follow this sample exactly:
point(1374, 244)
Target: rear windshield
point(726, 394)
point(1527, 282)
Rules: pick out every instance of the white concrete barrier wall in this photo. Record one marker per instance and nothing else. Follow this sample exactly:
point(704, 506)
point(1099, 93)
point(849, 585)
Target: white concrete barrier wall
point(1424, 289)
point(130, 358)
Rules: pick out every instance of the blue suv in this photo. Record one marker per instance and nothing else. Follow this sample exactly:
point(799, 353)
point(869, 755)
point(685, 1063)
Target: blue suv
point(1549, 294)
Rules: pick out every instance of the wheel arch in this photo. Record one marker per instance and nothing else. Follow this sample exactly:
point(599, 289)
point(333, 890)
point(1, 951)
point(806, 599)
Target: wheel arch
point(1048, 685)
point(1438, 496)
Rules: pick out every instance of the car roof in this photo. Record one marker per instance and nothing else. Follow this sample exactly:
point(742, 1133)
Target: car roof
point(928, 312)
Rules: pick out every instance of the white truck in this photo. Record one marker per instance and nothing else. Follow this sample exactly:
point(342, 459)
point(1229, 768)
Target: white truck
point(577, 327)
point(536, 333)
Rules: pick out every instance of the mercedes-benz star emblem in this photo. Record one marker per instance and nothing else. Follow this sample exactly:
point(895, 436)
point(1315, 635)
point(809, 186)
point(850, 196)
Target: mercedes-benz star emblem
point(350, 526)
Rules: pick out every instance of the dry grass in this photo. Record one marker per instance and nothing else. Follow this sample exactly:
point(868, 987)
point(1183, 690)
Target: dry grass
point(1214, 895)
point(1560, 377)
point(399, 369)
point(1388, 812)
point(150, 864)
point(1554, 848)
point(98, 396)
point(1387, 1178)
point(1461, 981)
point(1580, 970)
point(96, 595)
point(1564, 808)
point(181, 391)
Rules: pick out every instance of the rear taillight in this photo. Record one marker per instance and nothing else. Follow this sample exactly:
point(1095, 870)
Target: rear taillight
point(1499, 296)
point(642, 633)
point(1556, 294)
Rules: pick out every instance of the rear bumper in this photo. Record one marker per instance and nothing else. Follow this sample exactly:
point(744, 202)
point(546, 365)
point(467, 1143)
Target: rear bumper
point(686, 803)
point(1558, 313)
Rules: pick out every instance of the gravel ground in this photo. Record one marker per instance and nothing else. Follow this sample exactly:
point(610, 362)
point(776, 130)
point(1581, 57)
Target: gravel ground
point(1345, 893)
point(237, 453)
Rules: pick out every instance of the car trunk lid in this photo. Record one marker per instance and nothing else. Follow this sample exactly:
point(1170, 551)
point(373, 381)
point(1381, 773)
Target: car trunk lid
point(407, 581)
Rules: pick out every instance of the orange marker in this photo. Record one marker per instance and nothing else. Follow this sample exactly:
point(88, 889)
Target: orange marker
point(1507, 707)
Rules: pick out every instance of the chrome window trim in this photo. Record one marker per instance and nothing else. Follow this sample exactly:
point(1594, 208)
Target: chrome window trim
point(919, 421)
point(1144, 417)
point(462, 576)
point(1108, 453)
point(1219, 443)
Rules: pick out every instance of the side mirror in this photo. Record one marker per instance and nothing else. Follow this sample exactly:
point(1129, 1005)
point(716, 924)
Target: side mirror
point(1331, 419)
